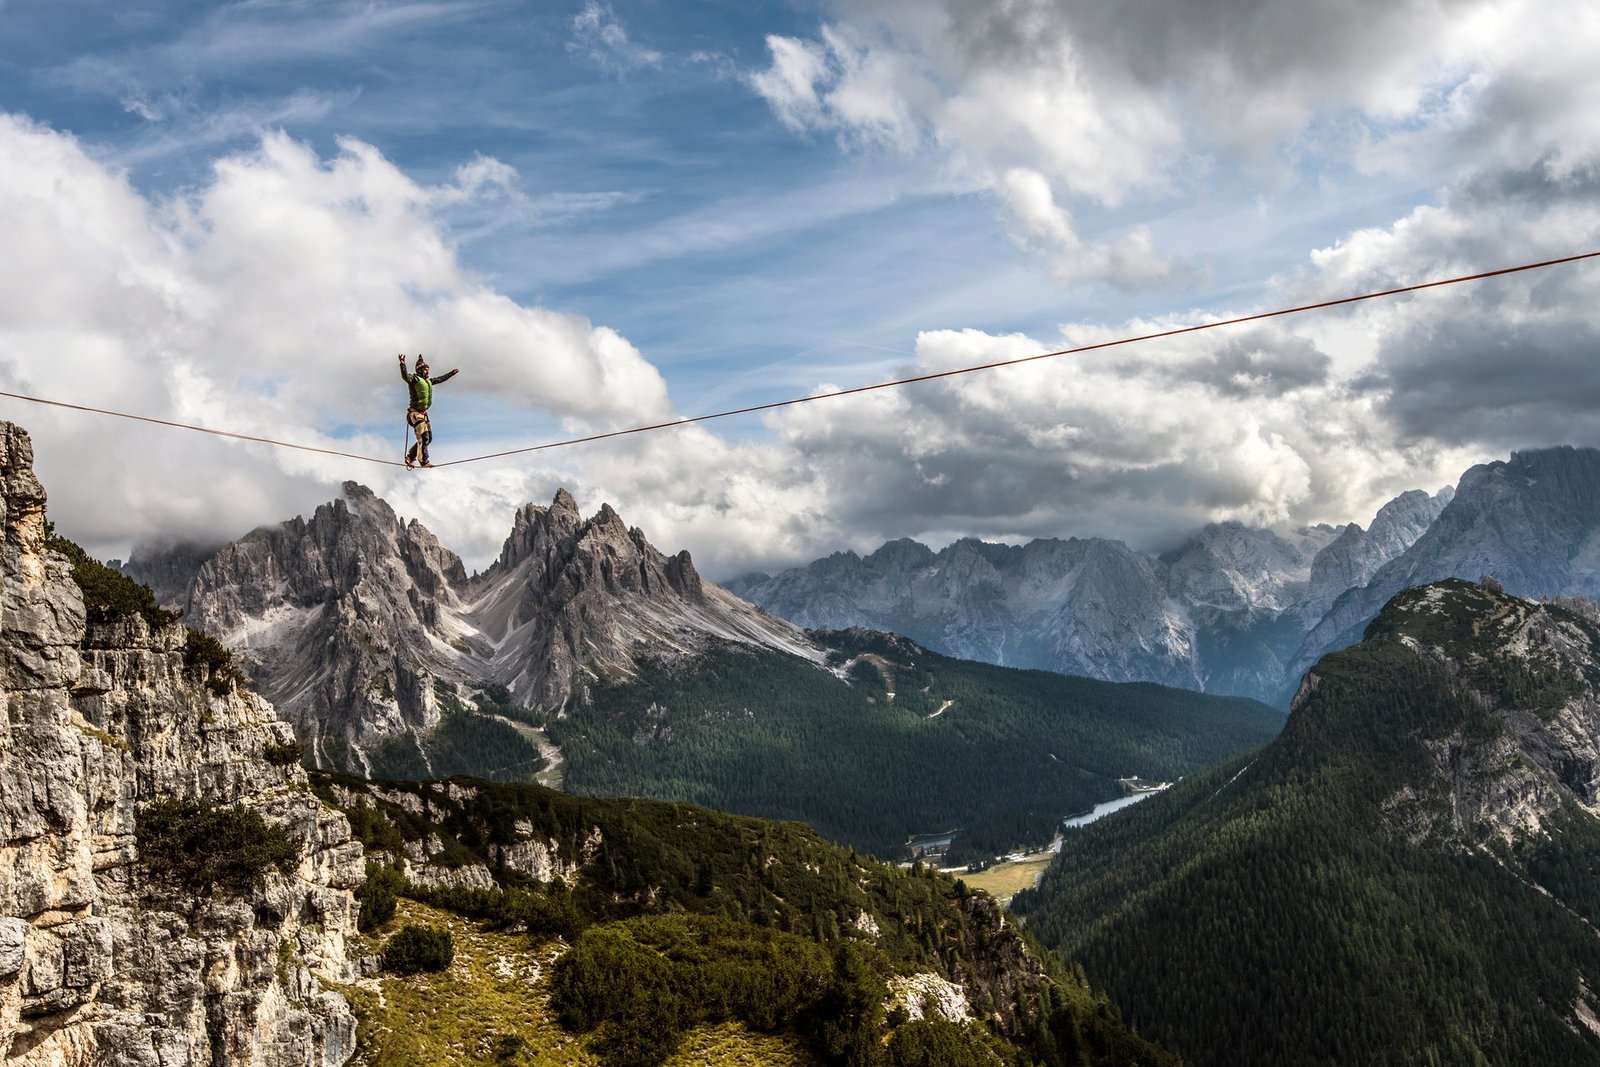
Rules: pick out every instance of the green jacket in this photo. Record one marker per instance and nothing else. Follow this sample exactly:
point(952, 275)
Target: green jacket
point(422, 387)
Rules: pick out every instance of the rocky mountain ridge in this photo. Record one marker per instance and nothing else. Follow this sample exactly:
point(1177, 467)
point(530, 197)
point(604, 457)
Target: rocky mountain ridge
point(103, 959)
point(1233, 610)
point(354, 619)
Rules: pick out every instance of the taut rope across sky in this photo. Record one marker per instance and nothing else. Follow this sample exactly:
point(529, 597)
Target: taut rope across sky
point(772, 405)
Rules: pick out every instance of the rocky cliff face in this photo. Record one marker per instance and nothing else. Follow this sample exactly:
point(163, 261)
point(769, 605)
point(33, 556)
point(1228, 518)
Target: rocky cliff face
point(100, 961)
point(352, 617)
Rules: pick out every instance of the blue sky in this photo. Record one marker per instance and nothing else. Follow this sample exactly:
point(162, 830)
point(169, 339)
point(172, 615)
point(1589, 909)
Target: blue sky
point(661, 198)
point(609, 213)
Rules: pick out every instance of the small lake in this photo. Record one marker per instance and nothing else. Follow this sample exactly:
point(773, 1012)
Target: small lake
point(1101, 810)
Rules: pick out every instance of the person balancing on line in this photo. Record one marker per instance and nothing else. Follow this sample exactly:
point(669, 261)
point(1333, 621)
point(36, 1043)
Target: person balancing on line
point(417, 414)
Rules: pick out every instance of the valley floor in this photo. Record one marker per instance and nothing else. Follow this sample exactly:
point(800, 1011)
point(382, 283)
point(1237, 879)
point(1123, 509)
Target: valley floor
point(1021, 871)
point(1005, 880)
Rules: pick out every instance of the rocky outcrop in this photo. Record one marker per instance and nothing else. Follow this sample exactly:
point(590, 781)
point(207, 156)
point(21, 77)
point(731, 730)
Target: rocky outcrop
point(927, 996)
point(426, 861)
point(1529, 666)
point(101, 960)
point(353, 617)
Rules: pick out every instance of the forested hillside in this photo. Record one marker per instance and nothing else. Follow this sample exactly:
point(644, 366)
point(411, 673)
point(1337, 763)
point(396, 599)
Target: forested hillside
point(679, 918)
point(914, 743)
point(1405, 875)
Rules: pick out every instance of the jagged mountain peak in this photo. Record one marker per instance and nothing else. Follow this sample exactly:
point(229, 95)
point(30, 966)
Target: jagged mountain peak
point(1229, 566)
point(604, 547)
point(353, 615)
point(362, 502)
point(1411, 513)
point(901, 552)
point(1350, 560)
point(535, 528)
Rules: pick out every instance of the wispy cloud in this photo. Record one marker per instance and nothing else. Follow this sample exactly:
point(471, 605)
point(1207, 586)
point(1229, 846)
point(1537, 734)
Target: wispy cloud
point(486, 200)
point(598, 34)
point(184, 128)
point(247, 36)
point(135, 105)
point(741, 220)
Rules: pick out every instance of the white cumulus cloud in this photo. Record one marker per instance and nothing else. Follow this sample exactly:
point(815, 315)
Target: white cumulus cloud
point(270, 301)
point(1058, 105)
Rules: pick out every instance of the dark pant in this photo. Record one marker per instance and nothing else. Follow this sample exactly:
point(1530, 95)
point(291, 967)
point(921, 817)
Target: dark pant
point(418, 421)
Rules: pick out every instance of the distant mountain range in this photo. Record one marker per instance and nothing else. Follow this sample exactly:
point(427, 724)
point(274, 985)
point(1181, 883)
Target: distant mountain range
point(1404, 875)
point(1222, 613)
point(1233, 610)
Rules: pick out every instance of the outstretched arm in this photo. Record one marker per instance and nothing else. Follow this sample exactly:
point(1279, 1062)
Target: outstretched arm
point(405, 377)
point(447, 375)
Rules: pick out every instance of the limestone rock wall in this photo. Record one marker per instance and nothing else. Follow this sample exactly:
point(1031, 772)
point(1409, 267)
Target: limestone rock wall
point(100, 963)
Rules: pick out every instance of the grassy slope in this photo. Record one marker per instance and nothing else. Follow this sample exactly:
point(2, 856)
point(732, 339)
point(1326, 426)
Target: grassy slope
point(1005, 880)
point(499, 986)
